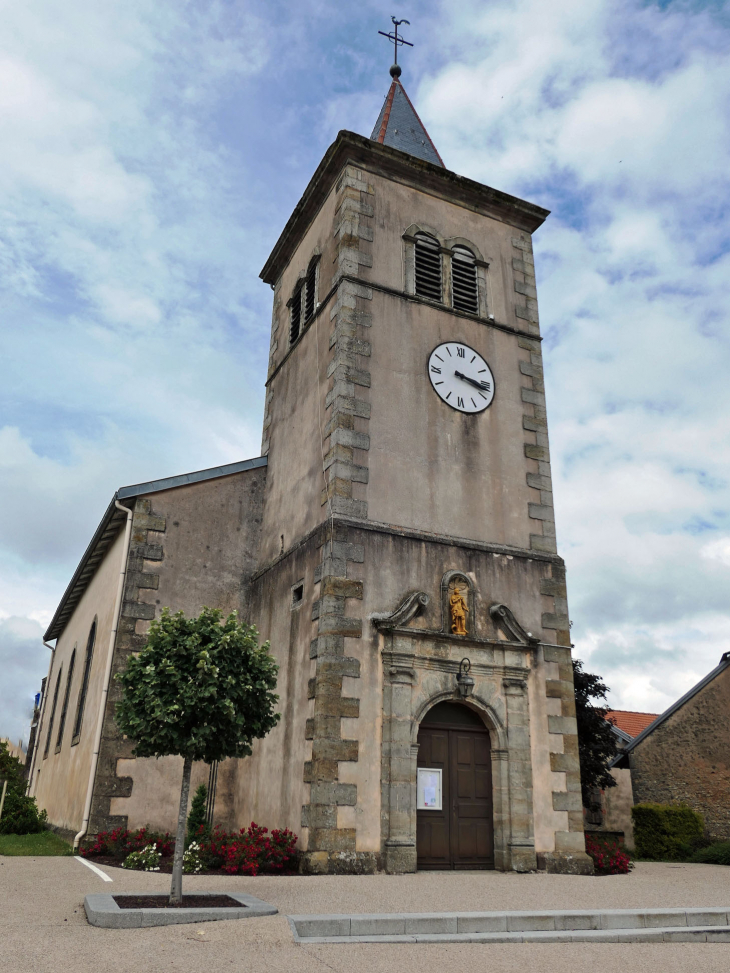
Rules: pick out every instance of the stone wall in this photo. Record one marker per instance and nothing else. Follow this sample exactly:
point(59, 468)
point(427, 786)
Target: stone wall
point(686, 759)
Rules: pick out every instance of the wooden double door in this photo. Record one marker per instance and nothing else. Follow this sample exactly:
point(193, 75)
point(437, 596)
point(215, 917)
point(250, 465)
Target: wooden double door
point(453, 739)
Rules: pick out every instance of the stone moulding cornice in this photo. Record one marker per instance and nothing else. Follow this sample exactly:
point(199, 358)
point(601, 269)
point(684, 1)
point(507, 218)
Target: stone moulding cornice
point(409, 534)
point(412, 605)
point(350, 148)
point(515, 673)
point(434, 635)
point(412, 533)
point(394, 292)
point(399, 664)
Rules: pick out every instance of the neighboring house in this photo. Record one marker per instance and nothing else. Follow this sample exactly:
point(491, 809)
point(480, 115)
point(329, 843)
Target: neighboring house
point(15, 749)
point(611, 812)
point(683, 756)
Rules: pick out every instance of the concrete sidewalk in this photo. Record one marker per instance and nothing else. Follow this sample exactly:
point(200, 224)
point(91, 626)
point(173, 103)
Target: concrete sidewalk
point(43, 928)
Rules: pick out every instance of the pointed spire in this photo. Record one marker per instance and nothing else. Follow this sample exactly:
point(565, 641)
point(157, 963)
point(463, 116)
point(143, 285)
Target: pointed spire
point(399, 126)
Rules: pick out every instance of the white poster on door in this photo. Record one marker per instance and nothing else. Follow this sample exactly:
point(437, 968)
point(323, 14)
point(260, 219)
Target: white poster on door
point(428, 790)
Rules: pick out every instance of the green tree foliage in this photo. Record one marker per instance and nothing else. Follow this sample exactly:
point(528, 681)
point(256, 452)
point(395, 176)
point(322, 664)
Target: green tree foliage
point(596, 740)
point(11, 770)
point(201, 688)
point(197, 816)
point(20, 813)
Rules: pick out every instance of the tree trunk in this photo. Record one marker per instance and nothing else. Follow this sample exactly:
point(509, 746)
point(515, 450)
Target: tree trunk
point(177, 861)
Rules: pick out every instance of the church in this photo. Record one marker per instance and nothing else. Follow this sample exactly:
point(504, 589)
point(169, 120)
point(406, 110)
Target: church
point(394, 541)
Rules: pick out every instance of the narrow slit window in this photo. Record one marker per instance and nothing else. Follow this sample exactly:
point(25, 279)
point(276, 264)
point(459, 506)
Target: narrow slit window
point(428, 267)
point(84, 683)
point(297, 594)
point(310, 298)
point(295, 322)
point(464, 278)
point(53, 713)
point(64, 709)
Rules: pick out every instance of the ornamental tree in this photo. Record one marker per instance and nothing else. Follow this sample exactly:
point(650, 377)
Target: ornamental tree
point(202, 689)
point(596, 741)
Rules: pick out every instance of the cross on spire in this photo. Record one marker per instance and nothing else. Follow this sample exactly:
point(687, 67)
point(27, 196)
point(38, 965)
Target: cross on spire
point(395, 70)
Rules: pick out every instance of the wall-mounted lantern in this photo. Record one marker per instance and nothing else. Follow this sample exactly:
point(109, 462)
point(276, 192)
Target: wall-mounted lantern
point(464, 682)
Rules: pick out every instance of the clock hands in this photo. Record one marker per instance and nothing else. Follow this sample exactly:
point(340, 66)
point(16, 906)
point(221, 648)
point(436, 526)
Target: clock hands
point(482, 386)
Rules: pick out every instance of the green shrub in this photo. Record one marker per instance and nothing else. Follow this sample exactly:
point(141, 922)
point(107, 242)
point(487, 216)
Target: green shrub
point(21, 815)
point(666, 832)
point(197, 816)
point(717, 853)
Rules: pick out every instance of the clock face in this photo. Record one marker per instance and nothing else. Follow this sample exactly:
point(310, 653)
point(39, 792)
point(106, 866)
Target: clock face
point(461, 377)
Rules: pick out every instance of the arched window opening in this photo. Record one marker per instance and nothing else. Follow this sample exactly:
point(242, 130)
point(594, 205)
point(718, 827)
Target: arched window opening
point(53, 713)
point(64, 709)
point(310, 289)
point(84, 683)
point(464, 278)
point(428, 267)
point(295, 320)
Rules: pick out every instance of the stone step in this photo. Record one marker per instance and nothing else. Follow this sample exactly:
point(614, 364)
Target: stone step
point(576, 925)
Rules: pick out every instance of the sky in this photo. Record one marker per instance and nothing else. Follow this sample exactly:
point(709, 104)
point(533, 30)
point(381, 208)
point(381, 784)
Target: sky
point(150, 155)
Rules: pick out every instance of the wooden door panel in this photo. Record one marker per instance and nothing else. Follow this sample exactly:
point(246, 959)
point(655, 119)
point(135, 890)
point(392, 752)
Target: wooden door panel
point(461, 834)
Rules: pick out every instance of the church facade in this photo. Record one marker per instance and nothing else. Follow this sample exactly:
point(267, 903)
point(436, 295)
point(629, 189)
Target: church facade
point(395, 543)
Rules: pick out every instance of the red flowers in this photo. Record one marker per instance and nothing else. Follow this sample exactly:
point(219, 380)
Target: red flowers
point(608, 858)
point(121, 842)
point(249, 851)
point(246, 852)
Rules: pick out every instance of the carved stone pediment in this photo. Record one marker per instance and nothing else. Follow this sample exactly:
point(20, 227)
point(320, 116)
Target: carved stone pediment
point(508, 624)
point(411, 606)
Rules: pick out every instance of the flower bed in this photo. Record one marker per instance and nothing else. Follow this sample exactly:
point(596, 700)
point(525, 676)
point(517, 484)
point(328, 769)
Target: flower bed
point(250, 851)
point(608, 857)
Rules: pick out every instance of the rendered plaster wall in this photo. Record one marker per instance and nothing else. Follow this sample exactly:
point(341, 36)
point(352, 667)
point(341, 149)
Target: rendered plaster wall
point(210, 543)
point(61, 785)
point(686, 759)
point(205, 547)
point(465, 475)
point(618, 802)
point(295, 398)
point(269, 785)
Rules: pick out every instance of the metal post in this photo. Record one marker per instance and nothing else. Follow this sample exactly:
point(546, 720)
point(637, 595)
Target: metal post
point(2, 799)
point(210, 803)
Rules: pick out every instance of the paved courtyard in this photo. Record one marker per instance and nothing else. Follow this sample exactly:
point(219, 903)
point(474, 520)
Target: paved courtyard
point(43, 927)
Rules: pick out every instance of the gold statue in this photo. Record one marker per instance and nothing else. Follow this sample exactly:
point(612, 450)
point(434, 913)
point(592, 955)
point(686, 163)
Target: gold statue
point(458, 608)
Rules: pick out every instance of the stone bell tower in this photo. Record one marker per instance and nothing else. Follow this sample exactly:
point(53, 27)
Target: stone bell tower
point(409, 579)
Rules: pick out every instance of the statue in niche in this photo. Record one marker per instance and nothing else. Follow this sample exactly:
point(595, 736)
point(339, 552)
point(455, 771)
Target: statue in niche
point(458, 609)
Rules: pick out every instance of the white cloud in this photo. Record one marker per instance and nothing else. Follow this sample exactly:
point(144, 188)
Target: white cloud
point(623, 132)
point(149, 156)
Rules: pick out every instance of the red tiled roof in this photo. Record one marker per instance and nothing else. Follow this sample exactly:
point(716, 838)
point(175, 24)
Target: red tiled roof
point(631, 723)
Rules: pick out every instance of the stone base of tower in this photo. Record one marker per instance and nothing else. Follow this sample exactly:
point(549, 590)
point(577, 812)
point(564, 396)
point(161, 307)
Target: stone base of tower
point(565, 863)
point(338, 863)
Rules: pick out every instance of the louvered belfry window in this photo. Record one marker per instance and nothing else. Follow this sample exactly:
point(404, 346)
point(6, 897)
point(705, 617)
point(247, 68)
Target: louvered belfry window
point(295, 321)
point(428, 267)
point(310, 291)
point(464, 280)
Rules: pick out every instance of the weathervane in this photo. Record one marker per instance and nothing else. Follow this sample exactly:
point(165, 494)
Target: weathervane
point(395, 70)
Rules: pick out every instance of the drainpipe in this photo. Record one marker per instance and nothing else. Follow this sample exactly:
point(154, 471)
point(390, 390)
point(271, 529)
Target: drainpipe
point(107, 674)
point(31, 783)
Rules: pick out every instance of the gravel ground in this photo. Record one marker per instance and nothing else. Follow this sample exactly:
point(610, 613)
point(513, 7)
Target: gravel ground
point(43, 928)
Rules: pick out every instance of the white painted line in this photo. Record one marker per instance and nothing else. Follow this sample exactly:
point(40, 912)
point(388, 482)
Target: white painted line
point(93, 868)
